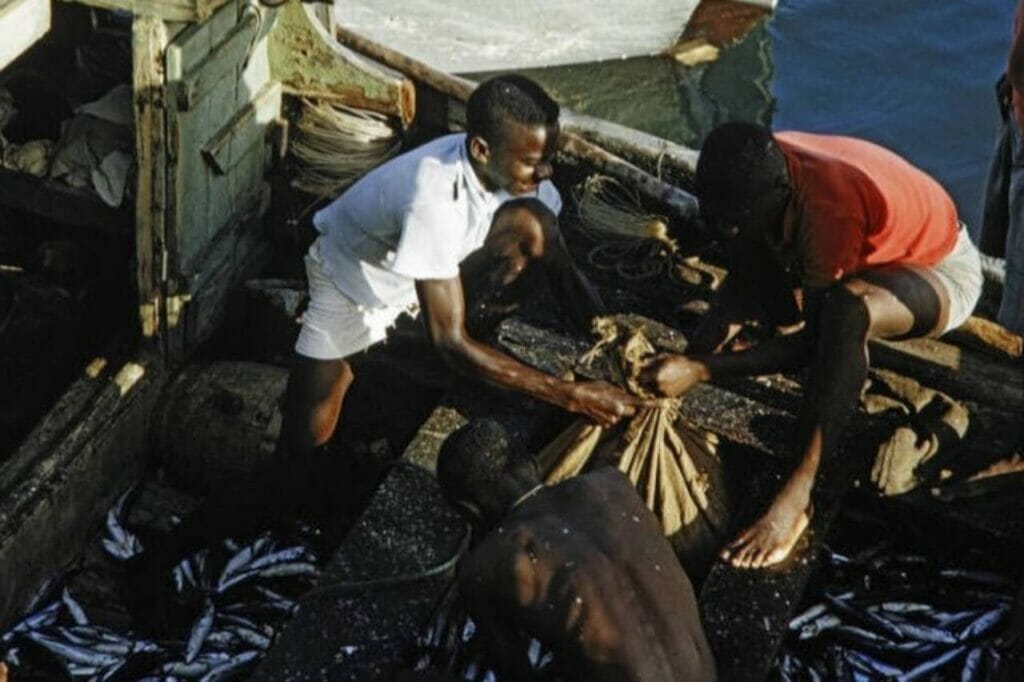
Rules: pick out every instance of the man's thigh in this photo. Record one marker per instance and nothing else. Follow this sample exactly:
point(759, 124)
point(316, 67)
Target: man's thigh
point(902, 301)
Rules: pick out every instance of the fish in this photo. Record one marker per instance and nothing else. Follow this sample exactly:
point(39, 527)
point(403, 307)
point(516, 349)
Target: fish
point(972, 665)
point(119, 542)
point(299, 568)
point(864, 617)
point(819, 625)
point(862, 637)
point(905, 607)
point(807, 616)
point(72, 653)
point(35, 621)
point(202, 665)
point(250, 637)
point(983, 623)
point(263, 566)
point(229, 667)
point(925, 669)
point(870, 665)
point(987, 578)
point(201, 628)
point(73, 607)
point(925, 633)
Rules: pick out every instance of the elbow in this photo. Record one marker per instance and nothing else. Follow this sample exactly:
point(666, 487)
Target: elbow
point(451, 346)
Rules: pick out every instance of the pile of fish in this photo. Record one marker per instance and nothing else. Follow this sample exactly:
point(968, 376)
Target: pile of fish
point(888, 616)
point(238, 596)
point(451, 642)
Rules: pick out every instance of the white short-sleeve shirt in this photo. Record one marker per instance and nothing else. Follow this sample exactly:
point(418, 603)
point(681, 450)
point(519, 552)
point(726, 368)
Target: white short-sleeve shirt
point(415, 217)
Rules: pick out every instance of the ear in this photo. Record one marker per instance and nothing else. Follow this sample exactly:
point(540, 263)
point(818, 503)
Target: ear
point(479, 149)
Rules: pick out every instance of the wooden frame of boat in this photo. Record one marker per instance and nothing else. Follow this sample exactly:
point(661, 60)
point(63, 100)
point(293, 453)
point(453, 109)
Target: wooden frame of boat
point(199, 198)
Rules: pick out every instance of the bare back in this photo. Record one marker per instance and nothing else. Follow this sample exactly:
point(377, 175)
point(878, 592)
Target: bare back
point(582, 566)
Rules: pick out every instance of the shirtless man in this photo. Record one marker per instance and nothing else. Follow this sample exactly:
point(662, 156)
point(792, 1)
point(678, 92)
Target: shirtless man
point(580, 566)
point(876, 249)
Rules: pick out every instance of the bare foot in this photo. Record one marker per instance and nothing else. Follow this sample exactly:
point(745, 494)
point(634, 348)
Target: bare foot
point(772, 537)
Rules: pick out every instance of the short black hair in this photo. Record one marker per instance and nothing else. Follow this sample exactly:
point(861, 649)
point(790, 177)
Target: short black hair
point(509, 98)
point(738, 163)
point(476, 457)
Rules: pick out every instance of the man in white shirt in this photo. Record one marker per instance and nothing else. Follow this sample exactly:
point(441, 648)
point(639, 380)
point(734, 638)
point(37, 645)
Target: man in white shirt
point(396, 239)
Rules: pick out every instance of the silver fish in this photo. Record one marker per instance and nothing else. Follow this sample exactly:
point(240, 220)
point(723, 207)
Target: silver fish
point(289, 570)
point(925, 633)
point(250, 637)
point(928, 667)
point(987, 578)
point(807, 616)
point(200, 630)
point(230, 666)
point(71, 652)
point(74, 608)
point(983, 623)
point(819, 625)
point(120, 543)
point(972, 665)
point(905, 607)
point(39, 619)
point(872, 666)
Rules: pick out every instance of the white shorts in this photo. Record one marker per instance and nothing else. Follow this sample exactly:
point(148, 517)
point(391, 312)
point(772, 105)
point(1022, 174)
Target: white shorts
point(333, 325)
point(960, 274)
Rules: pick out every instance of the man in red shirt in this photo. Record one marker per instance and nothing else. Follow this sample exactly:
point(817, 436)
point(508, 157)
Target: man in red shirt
point(874, 249)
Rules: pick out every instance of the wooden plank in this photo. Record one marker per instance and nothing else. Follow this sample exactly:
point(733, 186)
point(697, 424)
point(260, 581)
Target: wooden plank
point(165, 10)
point(224, 59)
point(961, 372)
point(307, 59)
point(195, 43)
point(62, 203)
point(149, 40)
point(50, 510)
point(248, 128)
point(22, 23)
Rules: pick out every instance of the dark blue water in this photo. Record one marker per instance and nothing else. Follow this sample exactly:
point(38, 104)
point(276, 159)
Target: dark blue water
point(914, 75)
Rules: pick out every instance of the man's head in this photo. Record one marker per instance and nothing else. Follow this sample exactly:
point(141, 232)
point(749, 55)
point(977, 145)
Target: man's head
point(742, 180)
point(481, 473)
point(512, 129)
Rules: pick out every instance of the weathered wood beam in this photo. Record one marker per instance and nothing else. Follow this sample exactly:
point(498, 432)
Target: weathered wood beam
point(310, 63)
point(682, 204)
point(62, 203)
point(963, 373)
point(58, 484)
point(149, 40)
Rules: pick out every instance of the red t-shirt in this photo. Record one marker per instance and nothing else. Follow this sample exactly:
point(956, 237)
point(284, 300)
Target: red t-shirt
point(858, 205)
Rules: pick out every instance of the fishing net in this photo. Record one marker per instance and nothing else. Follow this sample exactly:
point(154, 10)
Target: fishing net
point(673, 463)
point(334, 145)
point(631, 241)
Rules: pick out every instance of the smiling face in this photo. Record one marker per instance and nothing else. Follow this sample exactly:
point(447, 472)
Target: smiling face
point(518, 161)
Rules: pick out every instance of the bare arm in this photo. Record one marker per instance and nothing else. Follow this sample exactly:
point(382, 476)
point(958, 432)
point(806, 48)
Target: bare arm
point(673, 375)
point(444, 316)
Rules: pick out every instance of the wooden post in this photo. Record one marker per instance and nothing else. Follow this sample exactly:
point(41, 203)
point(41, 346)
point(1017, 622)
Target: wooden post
point(682, 204)
point(149, 40)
